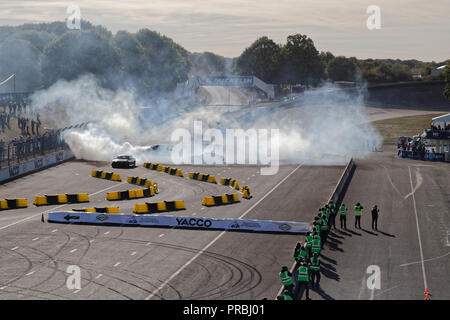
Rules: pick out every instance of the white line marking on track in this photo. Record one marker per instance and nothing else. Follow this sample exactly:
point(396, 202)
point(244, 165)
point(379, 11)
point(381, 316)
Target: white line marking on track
point(218, 237)
point(30, 273)
point(15, 248)
point(118, 263)
point(161, 235)
point(99, 276)
point(133, 253)
point(426, 260)
point(72, 251)
point(107, 232)
point(413, 190)
point(54, 230)
point(147, 244)
point(35, 239)
point(55, 208)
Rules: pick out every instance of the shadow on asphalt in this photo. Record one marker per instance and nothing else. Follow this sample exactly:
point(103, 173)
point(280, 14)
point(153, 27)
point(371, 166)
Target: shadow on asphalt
point(321, 293)
point(386, 234)
point(369, 232)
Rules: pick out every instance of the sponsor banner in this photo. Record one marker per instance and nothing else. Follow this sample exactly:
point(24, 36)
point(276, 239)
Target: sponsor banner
point(21, 169)
point(180, 222)
point(235, 81)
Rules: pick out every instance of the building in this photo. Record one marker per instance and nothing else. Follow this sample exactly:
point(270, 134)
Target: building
point(438, 135)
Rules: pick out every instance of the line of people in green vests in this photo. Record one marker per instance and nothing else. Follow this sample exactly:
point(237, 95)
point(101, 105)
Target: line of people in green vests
point(307, 254)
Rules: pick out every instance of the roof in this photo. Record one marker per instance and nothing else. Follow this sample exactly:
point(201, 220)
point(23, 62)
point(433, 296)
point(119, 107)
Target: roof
point(443, 118)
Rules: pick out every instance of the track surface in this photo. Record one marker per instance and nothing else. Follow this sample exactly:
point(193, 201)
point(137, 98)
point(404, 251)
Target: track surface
point(403, 190)
point(155, 263)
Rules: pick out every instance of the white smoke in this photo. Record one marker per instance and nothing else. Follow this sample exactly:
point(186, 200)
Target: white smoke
point(326, 125)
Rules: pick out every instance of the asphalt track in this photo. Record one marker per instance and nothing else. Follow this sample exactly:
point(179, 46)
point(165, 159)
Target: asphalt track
point(155, 263)
point(411, 247)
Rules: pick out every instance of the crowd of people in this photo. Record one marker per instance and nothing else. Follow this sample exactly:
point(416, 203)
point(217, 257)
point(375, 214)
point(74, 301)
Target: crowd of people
point(446, 127)
point(28, 119)
point(307, 254)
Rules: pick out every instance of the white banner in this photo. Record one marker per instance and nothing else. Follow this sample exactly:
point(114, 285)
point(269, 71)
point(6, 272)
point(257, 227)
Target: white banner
point(180, 222)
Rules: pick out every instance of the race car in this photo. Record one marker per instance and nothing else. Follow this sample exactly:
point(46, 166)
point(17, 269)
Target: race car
point(124, 161)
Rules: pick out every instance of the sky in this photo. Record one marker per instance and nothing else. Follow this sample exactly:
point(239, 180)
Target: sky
point(409, 29)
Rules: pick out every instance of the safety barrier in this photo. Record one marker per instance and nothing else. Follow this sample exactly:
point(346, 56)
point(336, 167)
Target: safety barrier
point(245, 192)
point(229, 182)
point(106, 175)
point(140, 181)
point(160, 167)
point(180, 222)
point(173, 171)
point(153, 166)
point(60, 198)
point(159, 206)
point(8, 204)
point(202, 177)
point(99, 210)
point(130, 194)
point(220, 200)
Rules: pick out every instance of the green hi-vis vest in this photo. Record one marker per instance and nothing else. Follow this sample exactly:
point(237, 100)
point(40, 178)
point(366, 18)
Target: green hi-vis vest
point(285, 278)
point(317, 227)
point(358, 211)
point(332, 206)
point(309, 240)
point(315, 264)
point(315, 246)
point(343, 210)
point(303, 274)
point(302, 255)
point(287, 297)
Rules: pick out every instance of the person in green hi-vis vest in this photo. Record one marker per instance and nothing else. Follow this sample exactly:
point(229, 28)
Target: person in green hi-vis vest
point(343, 216)
point(358, 213)
point(286, 279)
point(302, 281)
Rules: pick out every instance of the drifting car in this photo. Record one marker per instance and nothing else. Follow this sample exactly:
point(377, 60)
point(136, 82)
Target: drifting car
point(124, 161)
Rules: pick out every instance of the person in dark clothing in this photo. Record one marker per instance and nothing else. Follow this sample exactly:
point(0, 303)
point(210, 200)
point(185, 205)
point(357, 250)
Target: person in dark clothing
point(375, 213)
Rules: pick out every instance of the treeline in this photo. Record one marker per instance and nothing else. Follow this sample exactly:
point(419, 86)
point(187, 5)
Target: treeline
point(150, 63)
point(299, 62)
point(41, 54)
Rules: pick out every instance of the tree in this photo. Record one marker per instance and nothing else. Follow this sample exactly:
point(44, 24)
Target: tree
point(76, 53)
point(261, 59)
point(301, 61)
point(20, 57)
point(447, 80)
point(342, 69)
point(166, 63)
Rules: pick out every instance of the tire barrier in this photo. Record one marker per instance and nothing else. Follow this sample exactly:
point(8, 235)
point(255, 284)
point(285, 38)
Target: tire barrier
point(60, 199)
point(229, 182)
point(159, 207)
point(220, 200)
point(130, 194)
point(140, 181)
point(190, 222)
point(9, 204)
point(99, 210)
point(106, 175)
point(202, 177)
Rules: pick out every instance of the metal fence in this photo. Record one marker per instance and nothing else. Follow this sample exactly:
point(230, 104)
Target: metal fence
point(20, 150)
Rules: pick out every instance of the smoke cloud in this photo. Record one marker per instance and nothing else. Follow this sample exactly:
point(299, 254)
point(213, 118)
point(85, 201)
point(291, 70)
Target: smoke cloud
point(322, 126)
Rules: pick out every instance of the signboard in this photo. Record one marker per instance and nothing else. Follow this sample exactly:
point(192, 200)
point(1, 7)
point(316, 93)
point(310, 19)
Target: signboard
point(180, 222)
point(221, 81)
